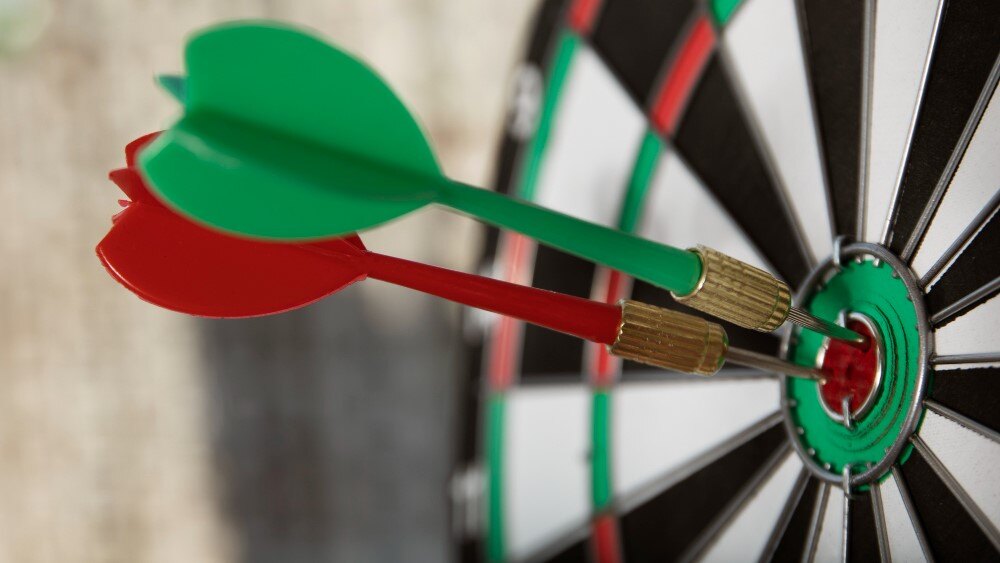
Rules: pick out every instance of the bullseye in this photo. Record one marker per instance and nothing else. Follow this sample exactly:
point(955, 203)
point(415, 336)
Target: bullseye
point(860, 419)
point(852, 372)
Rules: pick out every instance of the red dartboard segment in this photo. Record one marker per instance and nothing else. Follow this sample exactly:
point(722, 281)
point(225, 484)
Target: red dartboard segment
point(518, 251)
point(605, 367)
point(582, 14)
point(682, 75)
point(605, 540)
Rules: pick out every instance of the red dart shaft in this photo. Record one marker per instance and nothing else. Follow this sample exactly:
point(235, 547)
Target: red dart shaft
point(591, 320)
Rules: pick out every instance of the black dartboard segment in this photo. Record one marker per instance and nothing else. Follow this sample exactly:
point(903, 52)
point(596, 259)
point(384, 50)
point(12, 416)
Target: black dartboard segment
point(635, 38)
point(968, 43)
point(792, 544)
point(862, 540)
point(970, 392)
point(715, 139)
point(952, 534)
point(702, 495)
point(977, 265)
point(834, 49)
point(545, 352)
point(578, 552)
point(467, 433)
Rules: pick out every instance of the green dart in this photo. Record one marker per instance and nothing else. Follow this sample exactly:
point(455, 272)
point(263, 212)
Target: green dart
point(286, 137)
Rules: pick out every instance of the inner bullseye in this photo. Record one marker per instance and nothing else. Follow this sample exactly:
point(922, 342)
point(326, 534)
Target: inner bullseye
point(852, 371)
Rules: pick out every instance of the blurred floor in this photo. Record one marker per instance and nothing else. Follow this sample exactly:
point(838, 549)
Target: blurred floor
point(128, 433)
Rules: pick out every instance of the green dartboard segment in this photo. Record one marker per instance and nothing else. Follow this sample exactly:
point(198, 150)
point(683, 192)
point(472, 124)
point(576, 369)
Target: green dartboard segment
point(565, 50)
point(601, 493)
point(286, 137)
point(496, 541)
point(723, 9)
point(639, 182)
point(601, 478)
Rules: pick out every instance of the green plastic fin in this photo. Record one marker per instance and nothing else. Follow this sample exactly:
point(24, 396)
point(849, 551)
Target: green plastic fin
point(173, 84)
point(287, 137)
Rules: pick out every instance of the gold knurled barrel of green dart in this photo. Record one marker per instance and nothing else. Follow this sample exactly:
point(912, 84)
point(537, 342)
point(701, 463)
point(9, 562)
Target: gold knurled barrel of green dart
point(668, 339)
point(738, 292)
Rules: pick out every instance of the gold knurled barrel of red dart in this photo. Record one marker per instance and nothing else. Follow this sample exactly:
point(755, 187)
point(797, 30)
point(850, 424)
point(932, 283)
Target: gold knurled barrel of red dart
point(738, 292)
point(668, 339)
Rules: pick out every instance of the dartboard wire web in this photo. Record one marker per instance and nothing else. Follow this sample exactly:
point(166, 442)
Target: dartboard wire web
point(682, 67)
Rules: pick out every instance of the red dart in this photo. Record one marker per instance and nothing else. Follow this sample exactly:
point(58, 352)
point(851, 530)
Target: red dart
point(174, 263)
point(177, 264)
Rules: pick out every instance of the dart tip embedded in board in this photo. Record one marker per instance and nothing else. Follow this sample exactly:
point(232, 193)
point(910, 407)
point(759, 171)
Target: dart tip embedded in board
point(826, 328)
point(764, 362)
point(686, 343)
point(735, 291)
point(669, 339)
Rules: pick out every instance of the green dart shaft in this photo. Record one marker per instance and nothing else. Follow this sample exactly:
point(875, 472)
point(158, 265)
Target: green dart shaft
point(706, 279)
point(664, 266)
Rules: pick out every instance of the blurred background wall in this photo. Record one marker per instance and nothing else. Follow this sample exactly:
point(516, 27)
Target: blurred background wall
point(129, 433)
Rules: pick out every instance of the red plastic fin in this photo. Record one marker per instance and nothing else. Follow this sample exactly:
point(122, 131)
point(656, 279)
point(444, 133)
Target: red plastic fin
point(355, 240)
point(171, 262)
point(131, 184)
point(349, 245)
point(132, 148)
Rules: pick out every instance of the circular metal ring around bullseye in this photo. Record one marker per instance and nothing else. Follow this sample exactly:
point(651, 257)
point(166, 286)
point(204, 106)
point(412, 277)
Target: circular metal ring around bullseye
point(891, 414)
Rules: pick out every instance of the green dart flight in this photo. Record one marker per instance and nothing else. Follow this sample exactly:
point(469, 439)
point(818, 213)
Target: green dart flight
point(286, 137)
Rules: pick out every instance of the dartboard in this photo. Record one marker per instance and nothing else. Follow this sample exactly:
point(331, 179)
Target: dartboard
point(850, 147)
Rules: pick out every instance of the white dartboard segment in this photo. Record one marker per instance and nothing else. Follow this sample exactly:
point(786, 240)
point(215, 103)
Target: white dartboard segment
point(973, 186)
point(829, 544)
point(681, 212)
point(661, 427)
point(591, 149)
point(974, 332)
point(904, 31)
point(546, 470)
point(971, 458)
point(746, 536)
point(900, 531)
point(764, 45)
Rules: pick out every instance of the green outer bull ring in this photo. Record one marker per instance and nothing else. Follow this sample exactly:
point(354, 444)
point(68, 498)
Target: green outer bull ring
point(925, 341)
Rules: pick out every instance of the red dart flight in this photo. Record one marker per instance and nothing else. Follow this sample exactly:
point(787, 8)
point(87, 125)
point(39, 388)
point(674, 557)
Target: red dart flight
point(174, 263)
